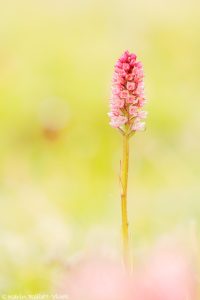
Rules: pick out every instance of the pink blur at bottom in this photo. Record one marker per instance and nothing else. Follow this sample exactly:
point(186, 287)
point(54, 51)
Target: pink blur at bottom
point(165, 275)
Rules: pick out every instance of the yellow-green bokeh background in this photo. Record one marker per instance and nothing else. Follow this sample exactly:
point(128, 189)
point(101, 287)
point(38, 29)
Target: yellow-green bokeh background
point(59, 190)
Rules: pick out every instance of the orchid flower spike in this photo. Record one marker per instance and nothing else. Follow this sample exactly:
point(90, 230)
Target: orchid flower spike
point(127, 98)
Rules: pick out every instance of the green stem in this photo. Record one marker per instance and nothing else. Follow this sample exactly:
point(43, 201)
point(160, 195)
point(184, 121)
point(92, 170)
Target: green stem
point(124, 184)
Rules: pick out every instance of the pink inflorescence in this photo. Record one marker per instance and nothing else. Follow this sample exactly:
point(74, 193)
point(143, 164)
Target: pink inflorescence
point(127, 97)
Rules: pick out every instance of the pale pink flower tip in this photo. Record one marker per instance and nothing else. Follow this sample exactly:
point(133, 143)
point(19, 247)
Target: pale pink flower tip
point(127, 98)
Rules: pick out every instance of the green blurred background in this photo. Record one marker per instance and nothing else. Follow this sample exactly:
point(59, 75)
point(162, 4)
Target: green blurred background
point(59, 189)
